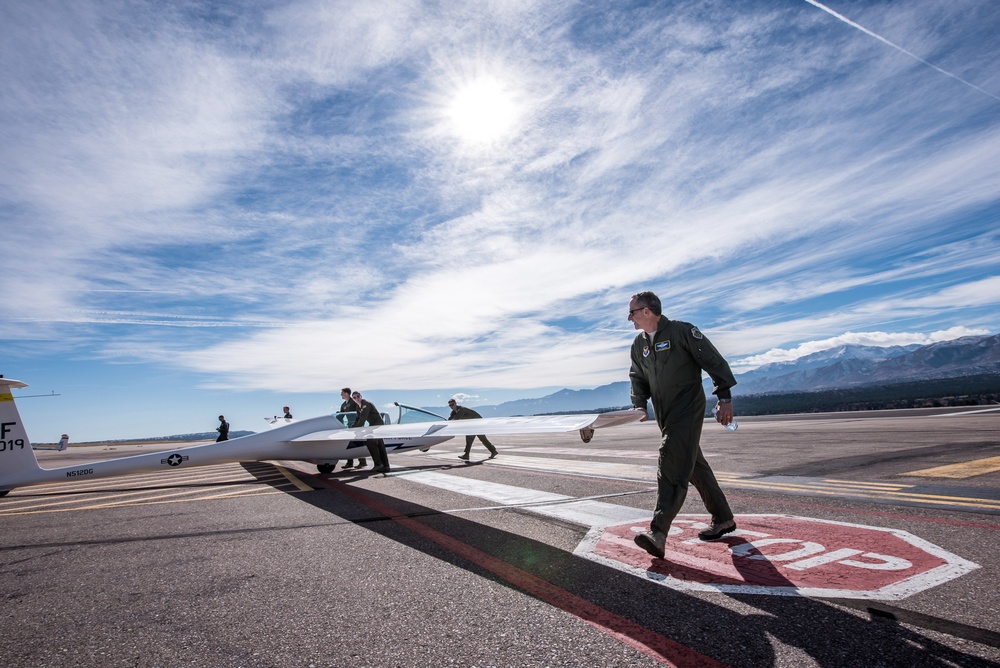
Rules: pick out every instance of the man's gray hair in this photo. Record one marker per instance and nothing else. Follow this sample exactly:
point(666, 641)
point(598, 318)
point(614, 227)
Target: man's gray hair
point(648, 299)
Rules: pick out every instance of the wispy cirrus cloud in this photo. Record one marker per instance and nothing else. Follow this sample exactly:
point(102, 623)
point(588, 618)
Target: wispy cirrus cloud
point(311, 192)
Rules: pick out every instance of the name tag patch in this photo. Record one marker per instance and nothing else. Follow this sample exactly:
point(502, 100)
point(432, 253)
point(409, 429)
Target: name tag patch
point(662, 345)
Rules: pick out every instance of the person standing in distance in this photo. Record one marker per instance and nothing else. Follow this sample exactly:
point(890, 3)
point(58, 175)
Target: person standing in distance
point(288, 414)
point(223, 429)
point(668, 357)
point(463, 413)
point(367, 413)
point(351, 406)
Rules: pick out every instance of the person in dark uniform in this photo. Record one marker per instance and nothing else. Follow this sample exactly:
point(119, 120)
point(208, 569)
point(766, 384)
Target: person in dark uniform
point(463, 413)
point(223, 429)
point(368, 414)
point(351, 406)
point(668, 357)
point(288, 414)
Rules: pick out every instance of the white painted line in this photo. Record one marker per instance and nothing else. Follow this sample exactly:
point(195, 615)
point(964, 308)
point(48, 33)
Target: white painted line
point(585, 513)
point(653, 453)
point(981, 410)
point(635, 472)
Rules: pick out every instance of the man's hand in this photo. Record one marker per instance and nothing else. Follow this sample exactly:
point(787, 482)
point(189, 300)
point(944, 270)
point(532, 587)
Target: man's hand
point(725, 413)
point(645, 413)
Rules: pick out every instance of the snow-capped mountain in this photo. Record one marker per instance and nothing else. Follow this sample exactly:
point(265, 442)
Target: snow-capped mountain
point(843, 366)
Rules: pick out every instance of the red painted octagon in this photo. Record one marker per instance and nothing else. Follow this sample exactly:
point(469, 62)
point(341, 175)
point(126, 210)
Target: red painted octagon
point(785, 555)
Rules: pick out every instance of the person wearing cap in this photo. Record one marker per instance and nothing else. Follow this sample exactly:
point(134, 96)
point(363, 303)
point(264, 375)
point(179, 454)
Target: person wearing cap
point(368, 414)
point(351, 406)
point(463, 413)
point(223, 429)
point(668, 357)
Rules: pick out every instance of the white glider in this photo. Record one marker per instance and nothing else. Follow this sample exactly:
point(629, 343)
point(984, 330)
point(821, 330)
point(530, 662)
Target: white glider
point(323, 441)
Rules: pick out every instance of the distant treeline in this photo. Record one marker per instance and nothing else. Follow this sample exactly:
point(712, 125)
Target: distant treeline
point(964, 391)
point(977, 390)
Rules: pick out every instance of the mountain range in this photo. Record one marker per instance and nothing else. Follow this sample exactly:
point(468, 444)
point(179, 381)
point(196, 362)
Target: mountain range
point(855, 366)
point(841, 367)
point(836, 368)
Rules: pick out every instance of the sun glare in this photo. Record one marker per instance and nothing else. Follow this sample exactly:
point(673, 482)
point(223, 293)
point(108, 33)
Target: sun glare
point(482, 111)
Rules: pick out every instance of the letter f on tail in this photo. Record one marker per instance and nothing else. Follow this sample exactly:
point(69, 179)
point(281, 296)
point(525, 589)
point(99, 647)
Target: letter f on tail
point(17, 460)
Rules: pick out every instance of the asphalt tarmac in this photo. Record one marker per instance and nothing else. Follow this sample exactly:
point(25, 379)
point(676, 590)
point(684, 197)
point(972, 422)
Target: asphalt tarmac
point(865, 539)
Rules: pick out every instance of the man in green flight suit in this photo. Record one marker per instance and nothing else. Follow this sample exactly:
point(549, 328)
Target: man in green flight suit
point(668, 357)
point(463, 413)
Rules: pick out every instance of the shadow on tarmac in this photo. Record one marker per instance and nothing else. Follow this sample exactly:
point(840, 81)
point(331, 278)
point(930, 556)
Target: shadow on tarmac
point(742, 636)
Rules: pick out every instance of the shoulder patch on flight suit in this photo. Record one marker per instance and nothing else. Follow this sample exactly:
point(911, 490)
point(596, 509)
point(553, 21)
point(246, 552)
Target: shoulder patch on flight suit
point(662, 345)
point(645, 351)
point(696, 333)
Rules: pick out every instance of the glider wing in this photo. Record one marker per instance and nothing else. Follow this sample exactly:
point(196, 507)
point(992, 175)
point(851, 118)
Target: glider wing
point(538, 424)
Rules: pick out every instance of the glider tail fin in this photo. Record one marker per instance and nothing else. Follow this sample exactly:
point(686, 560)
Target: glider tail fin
point(16, 455)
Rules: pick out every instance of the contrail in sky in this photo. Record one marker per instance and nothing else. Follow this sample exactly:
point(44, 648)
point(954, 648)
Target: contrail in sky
point(897, 47)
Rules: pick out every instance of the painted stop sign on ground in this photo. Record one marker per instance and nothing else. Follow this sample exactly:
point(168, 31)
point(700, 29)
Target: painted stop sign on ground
point(783, 555)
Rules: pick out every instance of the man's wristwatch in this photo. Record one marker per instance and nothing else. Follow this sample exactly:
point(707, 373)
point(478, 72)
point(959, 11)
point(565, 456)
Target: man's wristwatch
point(725, 401)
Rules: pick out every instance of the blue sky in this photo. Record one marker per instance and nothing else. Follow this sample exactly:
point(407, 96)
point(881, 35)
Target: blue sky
point(226, 207)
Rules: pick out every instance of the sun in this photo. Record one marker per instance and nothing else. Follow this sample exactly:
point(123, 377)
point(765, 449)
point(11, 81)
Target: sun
point(482, 111)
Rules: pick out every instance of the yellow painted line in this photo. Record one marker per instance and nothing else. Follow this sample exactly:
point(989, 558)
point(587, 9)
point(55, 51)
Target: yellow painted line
point(788, 486)
point(292, 478)
point(31, 506)
point(211, 497)
point(570, 466)
point(864, 490)
point(118, 502)
point(960, 470)
point(889, 496)
point(32, 494)
point(820, 488)
point(994, 503)
point(161, 478)
point(166, 478)
point(115, 500)
point(590, 452)
point(587, 468)
point(34, 504)
point(875, 485)
point(157, 501)
point(958, 502)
